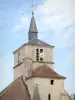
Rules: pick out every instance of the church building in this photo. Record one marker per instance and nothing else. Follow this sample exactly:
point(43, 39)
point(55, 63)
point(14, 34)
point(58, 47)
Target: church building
point(34, 61)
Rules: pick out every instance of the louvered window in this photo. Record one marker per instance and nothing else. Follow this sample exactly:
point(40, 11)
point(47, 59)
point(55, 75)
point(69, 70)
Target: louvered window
point(37, 54)
point(41, 50)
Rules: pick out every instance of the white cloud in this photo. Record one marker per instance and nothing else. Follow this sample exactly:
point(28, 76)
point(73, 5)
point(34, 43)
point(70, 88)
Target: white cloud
point(56, 5)
point(20, 27)
point(65, 38)
point(56, 15)
point(70, 83)
point(24, 20)
point(71, 58)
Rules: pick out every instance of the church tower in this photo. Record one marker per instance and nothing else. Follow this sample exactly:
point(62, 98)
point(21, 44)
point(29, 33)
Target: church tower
point(34, 61)
point(32, 54)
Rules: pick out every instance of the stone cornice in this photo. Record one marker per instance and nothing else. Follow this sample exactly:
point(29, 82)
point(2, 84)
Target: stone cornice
point(45, 77)
point(43, 62)
point(17, 65)
point(33, 61)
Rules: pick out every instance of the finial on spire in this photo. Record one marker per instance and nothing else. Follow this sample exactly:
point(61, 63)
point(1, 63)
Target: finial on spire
point(32, 13)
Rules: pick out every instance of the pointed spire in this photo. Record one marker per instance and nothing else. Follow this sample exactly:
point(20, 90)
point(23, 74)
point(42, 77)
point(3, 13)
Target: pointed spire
point(36, 95)
point(33, 32)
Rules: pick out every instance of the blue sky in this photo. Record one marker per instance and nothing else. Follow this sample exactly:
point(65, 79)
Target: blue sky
point(55, 21)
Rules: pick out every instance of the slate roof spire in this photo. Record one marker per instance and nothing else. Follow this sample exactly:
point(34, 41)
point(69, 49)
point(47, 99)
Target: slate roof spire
point(33, 32)
point(36, 95)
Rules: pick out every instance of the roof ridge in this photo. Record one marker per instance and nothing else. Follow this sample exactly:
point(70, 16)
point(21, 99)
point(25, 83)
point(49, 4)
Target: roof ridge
point(67, 94)
point(26, 87)
point(31, 40)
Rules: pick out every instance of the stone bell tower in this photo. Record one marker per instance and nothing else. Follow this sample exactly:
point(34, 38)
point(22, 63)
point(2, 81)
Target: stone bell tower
point(23, 56)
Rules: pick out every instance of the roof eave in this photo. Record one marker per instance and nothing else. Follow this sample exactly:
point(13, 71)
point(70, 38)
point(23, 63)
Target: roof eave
point(46, 77)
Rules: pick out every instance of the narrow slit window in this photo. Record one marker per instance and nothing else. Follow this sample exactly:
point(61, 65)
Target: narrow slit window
point(49, 97)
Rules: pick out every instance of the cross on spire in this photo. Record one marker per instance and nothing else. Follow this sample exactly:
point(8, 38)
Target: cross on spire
point(32, 6)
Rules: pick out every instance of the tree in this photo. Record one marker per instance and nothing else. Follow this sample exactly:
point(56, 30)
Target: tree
point(73, 96)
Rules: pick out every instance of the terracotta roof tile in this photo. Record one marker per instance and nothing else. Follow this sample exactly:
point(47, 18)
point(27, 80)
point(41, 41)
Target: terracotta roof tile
point(17, 90)
point(45, 71)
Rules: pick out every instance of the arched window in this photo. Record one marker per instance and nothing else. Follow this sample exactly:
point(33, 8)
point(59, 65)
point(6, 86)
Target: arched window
point(19, 57)
point(41, 50)
point(49, 97)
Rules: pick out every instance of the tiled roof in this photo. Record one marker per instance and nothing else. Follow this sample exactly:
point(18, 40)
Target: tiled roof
point(45, 71)
point(36, 41)
point(17, 90)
